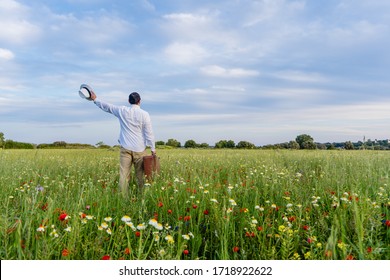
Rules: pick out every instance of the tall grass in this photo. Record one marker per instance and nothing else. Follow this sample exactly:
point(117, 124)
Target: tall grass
point(205, 204)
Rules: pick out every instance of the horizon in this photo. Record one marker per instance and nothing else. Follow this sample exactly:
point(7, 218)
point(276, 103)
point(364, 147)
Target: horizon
point(257, 71)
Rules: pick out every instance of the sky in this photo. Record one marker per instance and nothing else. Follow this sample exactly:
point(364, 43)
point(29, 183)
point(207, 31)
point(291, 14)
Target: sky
point(262, 71)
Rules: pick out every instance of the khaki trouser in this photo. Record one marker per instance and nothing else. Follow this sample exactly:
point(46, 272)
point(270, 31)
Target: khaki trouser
point(127, 159)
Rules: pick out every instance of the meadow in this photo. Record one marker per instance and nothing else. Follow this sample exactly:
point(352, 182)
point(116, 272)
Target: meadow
point(211, 204)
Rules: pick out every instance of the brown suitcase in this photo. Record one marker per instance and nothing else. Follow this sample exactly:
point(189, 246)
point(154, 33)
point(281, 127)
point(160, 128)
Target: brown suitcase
point(151, 166)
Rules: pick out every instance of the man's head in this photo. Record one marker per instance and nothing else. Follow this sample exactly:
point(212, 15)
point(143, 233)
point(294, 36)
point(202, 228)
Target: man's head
point(134, 98)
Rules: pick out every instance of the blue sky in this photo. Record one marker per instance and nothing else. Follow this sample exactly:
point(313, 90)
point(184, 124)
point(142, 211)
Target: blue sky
point(262, 71)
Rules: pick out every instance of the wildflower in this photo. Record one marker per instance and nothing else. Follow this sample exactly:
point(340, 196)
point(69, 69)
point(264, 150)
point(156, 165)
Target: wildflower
point(169, 211)
point(191, 234)
point(82, 215)
point(254, 221)
point(141, 226)
point(170, 239)
point(369, 249)
point(54, 233)
point(109, 231)
point(186, 237)
point(68, 229)
point(341, 245)
point(41, 228)
point(273, 206)
point(87, 207)
point(161, 252)
point(214, 200)
point(387, 223)
point(296, 256)
point(350, 257)
point(187, 218)
point(104, 225)
point(186, 252)
point(236, 249)
point(260, 208)
point(108, 219)
point(232, 202)
point(106, 257)
point(206, 212)
point(137, 233)
point(89, 217)
point(126, 219)
point(308, 255)
point(319, 245)
point(65, 252)
point(282, 228)
point(194, 206)
point(130, 224)
point(305, 227)
point(63, 217)
point(127, 251)
point(160, 204)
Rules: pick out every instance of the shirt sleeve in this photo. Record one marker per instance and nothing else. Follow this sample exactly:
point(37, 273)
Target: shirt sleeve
point(148, 133)
point(106, 107)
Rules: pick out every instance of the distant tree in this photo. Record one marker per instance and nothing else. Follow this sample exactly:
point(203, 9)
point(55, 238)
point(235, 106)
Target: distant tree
point(293, 145)
point(190, 144)
point(305, 141)
point(349, 146)
point(221, 144)
point(160, 143)
point(245, 145)
point(230, 144)
point(173, 143)
point(204, 145)
point(2, 139)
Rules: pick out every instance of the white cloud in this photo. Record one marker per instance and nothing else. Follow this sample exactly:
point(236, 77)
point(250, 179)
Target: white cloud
point(16, 28)
point(218, 71)
point(6, 54)
point(185, 53)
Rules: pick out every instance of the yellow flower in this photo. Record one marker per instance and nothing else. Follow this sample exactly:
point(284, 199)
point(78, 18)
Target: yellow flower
point(282, 228)
point(170, 239)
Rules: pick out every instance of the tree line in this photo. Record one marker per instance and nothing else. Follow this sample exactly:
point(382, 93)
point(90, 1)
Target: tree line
point(303, 141)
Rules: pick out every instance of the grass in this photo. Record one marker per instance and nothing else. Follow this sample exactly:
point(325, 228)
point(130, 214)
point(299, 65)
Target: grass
point(205, 204)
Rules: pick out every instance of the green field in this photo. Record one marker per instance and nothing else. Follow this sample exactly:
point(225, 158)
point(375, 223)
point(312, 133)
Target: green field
point(205, 204)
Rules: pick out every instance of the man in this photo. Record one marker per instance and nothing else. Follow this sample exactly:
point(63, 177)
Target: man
point(135, 135)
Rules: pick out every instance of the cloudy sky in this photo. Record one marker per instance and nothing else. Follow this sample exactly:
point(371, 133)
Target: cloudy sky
point(262, 71)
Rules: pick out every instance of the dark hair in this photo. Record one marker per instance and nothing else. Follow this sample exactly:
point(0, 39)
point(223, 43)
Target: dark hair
point(134, 98)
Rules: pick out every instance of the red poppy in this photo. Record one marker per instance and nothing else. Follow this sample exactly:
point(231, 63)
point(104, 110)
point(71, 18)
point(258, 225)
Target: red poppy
point(305, 227)
point(369, 249)
point(350, 257)
point(65, 252)
point(186, 252)
point(250, 234)
point(194, 206)
point(106, 257)
point(169, 211)
point(63, 217)
point(187, 218)
point(260, 228)
point(137, 233)
point(83, 215)
point(387, 223)
point(127, 251)
point(291, 219)
point(236, 249)
point(206, 212)
point(160, 204)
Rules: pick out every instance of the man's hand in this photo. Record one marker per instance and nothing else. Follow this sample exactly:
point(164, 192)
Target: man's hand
point(93, 95)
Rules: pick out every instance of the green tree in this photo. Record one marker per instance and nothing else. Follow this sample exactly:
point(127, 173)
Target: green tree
point(190, 144)
point(305, 141)
point(173, 143)
point(293, 145)
point(221, 144)
point(230, 144)
point(349, 146)
point(245, 145)
point(2, 139)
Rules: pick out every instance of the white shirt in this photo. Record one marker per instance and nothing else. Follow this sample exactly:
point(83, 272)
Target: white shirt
point(136, 127)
